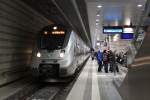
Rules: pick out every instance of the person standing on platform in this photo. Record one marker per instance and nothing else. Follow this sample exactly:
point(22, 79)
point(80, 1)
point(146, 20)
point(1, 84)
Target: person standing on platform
point(99, 59)
point(112, 61)
point(92, 53)
point(105, 60)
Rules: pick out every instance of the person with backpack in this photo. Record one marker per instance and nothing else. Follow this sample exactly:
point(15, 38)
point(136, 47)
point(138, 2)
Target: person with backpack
point(113, 63)
point(105, 60)
point(99, 60)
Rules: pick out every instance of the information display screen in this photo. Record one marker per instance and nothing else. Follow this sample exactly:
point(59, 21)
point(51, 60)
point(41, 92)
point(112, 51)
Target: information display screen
point(127, 36)
point(127, 33)
point(112, 29)
point(55, 32)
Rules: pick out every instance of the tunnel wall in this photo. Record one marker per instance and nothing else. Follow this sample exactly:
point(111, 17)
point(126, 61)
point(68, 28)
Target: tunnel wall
point(136, 85)
point(19, 25)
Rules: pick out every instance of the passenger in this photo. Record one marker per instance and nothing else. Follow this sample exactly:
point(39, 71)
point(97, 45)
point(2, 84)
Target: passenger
point(105, 60)
point(119, 58)
point(125, 59)
point(113, 63)
point(99, 59)
point(92, 53)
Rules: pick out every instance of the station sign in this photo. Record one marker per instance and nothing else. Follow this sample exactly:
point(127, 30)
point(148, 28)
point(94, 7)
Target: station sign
point(127, 36)
point(112, 29)
point(128, 30)
point(127, 33)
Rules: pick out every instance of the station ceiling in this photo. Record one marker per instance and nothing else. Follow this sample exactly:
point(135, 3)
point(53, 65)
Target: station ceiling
point(68, 12)
point(113, 13)
point(85, 16)
point(47, 9)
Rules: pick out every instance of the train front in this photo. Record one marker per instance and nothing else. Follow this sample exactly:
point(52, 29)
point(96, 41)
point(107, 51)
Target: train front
point(50, 57)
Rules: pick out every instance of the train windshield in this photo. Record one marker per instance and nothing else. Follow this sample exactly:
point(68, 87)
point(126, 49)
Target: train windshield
point(52, 40)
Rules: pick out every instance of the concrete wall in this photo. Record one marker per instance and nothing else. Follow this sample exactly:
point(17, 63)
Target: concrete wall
point(136, 85)
point(19, 25)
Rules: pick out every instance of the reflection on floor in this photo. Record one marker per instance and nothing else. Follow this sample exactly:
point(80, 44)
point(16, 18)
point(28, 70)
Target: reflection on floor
point(93, 85)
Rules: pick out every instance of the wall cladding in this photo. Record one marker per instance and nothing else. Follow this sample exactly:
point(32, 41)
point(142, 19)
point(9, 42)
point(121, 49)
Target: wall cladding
point(19, 25)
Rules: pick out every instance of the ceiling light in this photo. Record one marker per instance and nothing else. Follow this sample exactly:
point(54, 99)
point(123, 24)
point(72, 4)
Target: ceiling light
point(98, 15)
point(96, 23)
point(97, 20)
point(99, 6)
point(127, 21)
point(139, 5)
point(98, 44)
point(55, 27)
point(38, 54)
point(45, 32)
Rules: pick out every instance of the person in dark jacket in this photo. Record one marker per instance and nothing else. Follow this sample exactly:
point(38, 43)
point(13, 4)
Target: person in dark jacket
point(105, 60)
point(113, 62)
point(92, 53)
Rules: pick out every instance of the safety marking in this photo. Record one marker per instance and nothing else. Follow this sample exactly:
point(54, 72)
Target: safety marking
point(95, 87)
point(77, 92)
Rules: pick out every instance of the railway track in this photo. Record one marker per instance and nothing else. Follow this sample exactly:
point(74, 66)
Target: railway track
point(46, 91)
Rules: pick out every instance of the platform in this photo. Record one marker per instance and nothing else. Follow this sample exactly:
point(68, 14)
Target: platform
point(94, 85)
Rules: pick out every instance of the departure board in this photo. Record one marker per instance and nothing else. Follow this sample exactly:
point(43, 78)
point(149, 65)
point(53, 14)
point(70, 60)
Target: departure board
point(112, 29)
point(127, 36)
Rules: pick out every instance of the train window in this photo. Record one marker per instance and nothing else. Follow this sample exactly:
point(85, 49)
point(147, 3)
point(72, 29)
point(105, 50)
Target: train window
point(52, 41)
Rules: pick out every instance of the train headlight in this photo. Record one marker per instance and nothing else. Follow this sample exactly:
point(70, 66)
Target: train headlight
point(62, 53)
point(38, 54)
